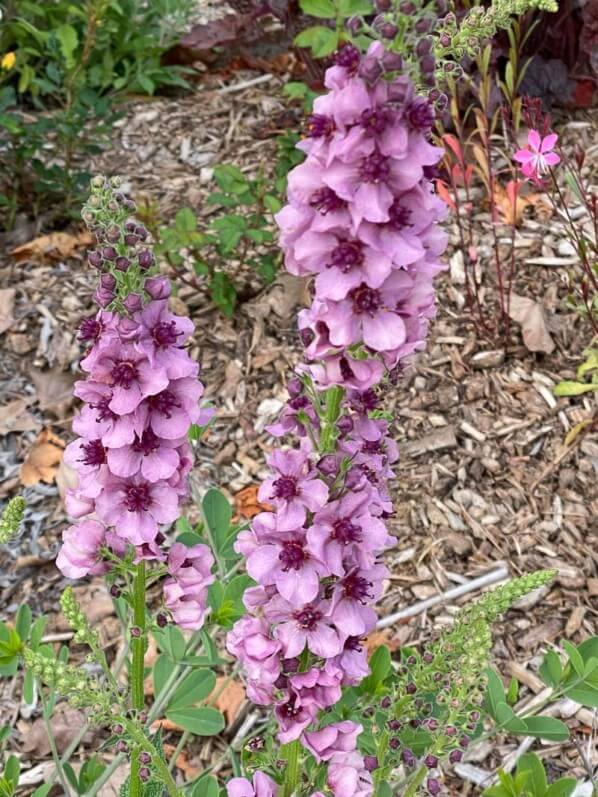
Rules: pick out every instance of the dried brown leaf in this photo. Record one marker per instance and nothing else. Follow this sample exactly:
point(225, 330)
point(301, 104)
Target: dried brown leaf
point(54, 389)
point(55, 246)
point(15, 417)
point(66, 723)
point(7, 305)
point(530, 316)
point(42, 460)
point(231, 699)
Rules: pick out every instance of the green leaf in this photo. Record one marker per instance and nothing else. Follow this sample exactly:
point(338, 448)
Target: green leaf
point(531, 764)
point(575, 658)
point(230, 179)
point(507, 719)
point(207, 786)
point(90, 772)
point(217, 513)
point(23, 621)
point(230, 230)
point(37, 631)
point(200, 721)
point(351, 8)
point(495, 693)
point(563, 787)
point(324, 9)
point(146, 83)
point(513, 692)
point(69, 39)
point(29, 687)
point(43, 790)
point(195, 687)
point(570, 388)
point(546, 728)
point(171, 641)
point(380, 665)
point(160, 673)
point(551, 670)
point(321, 40)
point(272, 203)
point(12, 769)
point(71, 777)
point(185, 220)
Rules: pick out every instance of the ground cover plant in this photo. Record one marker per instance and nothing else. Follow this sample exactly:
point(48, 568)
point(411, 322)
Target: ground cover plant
point(287, 600)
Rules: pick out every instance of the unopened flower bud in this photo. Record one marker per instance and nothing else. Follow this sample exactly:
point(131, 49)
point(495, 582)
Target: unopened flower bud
point(117, 729)
point(113, 234)
point(145, 259)
point(370, 762)
point(95, 259)
point(408, 758)
point(144, 774)
point(144, 757)
point(131, 239)
point(353, 25)
point(157, 287)
point(386, 702)
point(136, 632)
point(455, 756)
point(161, 620)
point(109, 253)
point(433, 786)
point(388, 31)
point(142, 717)
point(133, 302)
point(122, 263)
point(122, 746)
point(394, 743)
point(406, 7)
point(431, 761)
point(115, 591)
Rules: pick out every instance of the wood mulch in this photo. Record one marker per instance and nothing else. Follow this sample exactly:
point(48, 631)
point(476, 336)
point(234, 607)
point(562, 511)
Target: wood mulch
point(485, 476)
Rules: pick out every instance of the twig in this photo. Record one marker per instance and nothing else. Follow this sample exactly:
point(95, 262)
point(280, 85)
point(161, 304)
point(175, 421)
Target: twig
point(245, 84)
point(492, 577)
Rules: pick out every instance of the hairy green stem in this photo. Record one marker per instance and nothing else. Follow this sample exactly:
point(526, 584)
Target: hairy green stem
point(292, 772)
point(52, 742)
point(416, 782)
point(137, 668)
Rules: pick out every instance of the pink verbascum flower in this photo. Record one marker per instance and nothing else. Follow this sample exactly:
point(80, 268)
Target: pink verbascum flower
point(261, 786)
point(186, 589)
point(537, 159)
point(80, 552)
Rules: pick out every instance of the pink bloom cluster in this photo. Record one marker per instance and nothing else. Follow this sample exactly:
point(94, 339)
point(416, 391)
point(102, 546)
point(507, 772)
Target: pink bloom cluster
point(363, 220)
point(132, 457)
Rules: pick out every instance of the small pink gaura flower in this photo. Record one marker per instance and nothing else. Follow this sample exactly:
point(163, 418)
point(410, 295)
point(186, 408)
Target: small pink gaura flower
point(537, 159)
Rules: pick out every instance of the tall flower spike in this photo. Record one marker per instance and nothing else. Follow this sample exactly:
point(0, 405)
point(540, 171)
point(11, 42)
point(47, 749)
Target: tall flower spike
point(141, 395)
point(362, 220)
point(11, 519)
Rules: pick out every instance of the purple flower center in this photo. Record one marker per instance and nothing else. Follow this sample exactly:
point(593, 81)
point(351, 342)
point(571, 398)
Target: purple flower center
point(347, 255)
point(354, 643)
point(374, 121)
point(165, 333)
point(292, 556)
point(307, 336)
point(299, 403)
point(137, 498)
point(318, 124)
point(421, 115)
point(147, 444)
point(346, 532)
point(307, 618)
point(366, 401)
point(356, 588)
point(94, 453)
point(348, 56)
point(371, 446)
point(164, 403)
point(374, 168)
point(124, 374)
point(325, 200)
point(285, 488)
point(346, 370)
point(365, 300)
point(290, 710)
point(103, 410)
point(399, 216)
point(90, 329)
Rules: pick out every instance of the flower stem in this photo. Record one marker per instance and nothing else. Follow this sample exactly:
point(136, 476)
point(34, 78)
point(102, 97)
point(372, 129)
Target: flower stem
point(292, 773)
point(418, 779)
point(137, 668)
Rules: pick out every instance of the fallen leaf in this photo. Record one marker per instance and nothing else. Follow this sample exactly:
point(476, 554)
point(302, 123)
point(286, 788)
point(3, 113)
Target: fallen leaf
point(42, 460)
point(66, 723)
point(246, 503)
point(384, 637)
point(191, 771)
point(55, 246)
point(230, 700)
point(7, 305)
point(15, 417)
point(530, 316)
point(509, 203)
point(66, 478)
point(54, 389)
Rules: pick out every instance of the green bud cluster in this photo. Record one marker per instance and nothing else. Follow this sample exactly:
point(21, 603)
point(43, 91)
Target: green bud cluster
point(71, 682)
point(480, 24)
point(77, 620)
point(440, 690)
point(11, 519)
